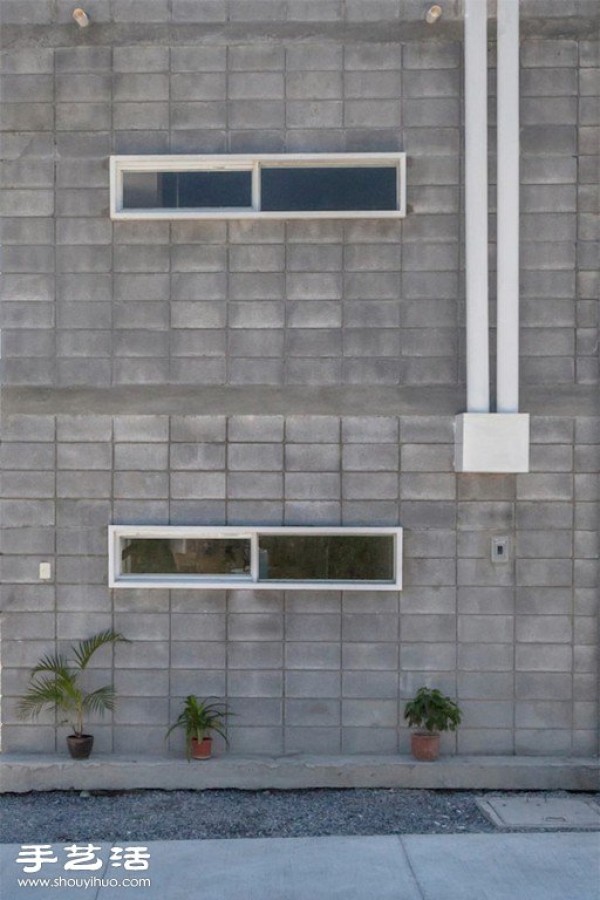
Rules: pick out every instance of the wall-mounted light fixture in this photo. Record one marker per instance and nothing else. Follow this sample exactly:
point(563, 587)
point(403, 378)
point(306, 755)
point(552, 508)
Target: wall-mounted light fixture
point(81, 17)
point(433, 14)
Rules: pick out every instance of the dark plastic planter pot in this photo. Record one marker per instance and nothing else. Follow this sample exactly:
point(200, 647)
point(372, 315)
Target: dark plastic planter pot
point(80, 746)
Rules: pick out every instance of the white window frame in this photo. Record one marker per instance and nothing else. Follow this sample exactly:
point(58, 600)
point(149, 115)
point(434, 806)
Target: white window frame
point(117, 579)
point(252, 163)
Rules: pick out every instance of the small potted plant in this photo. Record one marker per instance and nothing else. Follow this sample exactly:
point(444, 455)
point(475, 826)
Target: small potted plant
point(56, 684)
point(198, 718)
point(430, 711)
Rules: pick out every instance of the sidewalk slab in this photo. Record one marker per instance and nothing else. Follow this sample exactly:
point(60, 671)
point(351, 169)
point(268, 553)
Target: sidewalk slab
point(541, 812)
point(506, 866)
point(408, 867)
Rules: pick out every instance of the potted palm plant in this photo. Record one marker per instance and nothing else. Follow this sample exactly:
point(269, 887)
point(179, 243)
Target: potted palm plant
point(430, 711)
point(56, 684)
point(198, 718)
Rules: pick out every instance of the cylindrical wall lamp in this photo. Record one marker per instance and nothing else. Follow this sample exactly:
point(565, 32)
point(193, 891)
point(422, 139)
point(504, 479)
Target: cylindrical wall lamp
point(433, 14)
point(81, 17)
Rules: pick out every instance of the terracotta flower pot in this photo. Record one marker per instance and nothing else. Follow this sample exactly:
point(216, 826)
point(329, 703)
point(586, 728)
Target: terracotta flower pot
point(425, 746)
point(201, 749)
point(80, 745)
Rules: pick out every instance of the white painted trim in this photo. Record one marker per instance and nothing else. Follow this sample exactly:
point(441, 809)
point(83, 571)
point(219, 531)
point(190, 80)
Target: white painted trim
point(508, 208)
point(252, 580)
point(251, 163)
point(476, 206)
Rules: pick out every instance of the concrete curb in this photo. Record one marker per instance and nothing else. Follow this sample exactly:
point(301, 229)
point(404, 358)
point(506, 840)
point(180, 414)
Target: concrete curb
point(21, 772)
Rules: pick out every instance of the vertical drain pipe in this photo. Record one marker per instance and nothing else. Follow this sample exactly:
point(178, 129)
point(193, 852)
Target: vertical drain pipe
point(508, 208)
point(476, 206)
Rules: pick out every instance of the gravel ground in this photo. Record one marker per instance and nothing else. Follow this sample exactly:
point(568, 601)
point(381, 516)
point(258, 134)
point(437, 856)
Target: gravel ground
point(188, 815)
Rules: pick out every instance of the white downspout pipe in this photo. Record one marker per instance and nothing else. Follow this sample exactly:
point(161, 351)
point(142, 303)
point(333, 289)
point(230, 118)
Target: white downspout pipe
point(508, 208)
point(476, 206)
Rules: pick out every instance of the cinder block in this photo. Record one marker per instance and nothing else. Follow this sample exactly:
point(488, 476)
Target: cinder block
point(83, 455)
point(370, 656)
point(313, 342)
point(27, 484)
point(195, 456)
point(255, 684)
point(543, 686)
point(256, 371)
point(312, 627)
point(485, 658)
point(369, 627)
point(312, 512)
point(312, 655)
point(27, 117)
point(255, 485)
point(370, 713)
point(29, 456)
point(438, 628)
point(255, 457)
point(252, 114)
point(198, 485)
point(140, 59)
point(195, 627)
point(314, 685)
point(312, 457)
point(255, 655)
point(543, 629)
point(423, 600)
point(255, 429)
point(261, 343)
point(312, 486)
point(254, 512)
point(28, 61)
point(369, 485)
point(551, 54)
point(82, 59)
point(311, 371)
point(315, 711)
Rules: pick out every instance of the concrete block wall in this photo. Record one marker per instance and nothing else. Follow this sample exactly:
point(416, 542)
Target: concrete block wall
point(89, 302)
point(140, 360)
point(310, 671)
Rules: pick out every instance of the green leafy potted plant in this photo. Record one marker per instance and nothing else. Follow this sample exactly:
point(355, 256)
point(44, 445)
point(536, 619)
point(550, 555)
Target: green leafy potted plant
point(198, 718)
point(56, 684)
point(430, 711)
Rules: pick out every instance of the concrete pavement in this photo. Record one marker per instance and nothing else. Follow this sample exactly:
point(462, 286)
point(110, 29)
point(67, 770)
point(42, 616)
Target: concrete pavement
point(540, 866)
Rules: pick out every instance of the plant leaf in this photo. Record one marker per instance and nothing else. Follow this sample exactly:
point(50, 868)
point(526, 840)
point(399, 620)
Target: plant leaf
point(101, 700)
point(84, 651)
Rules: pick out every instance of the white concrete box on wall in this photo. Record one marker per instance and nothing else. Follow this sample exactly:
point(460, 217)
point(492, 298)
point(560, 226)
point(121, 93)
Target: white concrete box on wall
point(492, 442)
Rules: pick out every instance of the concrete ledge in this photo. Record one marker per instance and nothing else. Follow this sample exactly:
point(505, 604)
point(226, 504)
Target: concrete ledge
point(20, 773)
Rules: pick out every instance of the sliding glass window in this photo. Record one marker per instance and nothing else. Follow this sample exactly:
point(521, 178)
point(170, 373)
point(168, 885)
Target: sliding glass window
point(283, 186)
point(287, 558)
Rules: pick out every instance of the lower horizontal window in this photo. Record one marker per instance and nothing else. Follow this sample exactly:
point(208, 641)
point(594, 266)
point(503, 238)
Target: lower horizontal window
point(269, 558)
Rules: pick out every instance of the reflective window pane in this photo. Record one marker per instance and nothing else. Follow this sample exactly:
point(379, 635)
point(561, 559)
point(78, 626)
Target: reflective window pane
point(326, 557)
point(214, 189)
point(186, 190)
point(140, 190)
point(185, 556)
point(331, 188)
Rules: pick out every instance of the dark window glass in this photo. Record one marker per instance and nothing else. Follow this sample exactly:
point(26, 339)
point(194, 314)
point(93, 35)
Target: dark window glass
point(186, 190)
point(185, 556)
point(332, 188)
point(326, 557)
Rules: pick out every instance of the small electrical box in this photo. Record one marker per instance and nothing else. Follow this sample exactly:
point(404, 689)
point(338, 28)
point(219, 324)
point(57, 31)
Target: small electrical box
point(500, 549)
point(45, 571)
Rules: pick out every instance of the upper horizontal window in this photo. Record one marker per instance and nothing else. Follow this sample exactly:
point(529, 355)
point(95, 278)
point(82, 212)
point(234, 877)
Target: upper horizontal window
point(282, 186)
point(229, 557)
